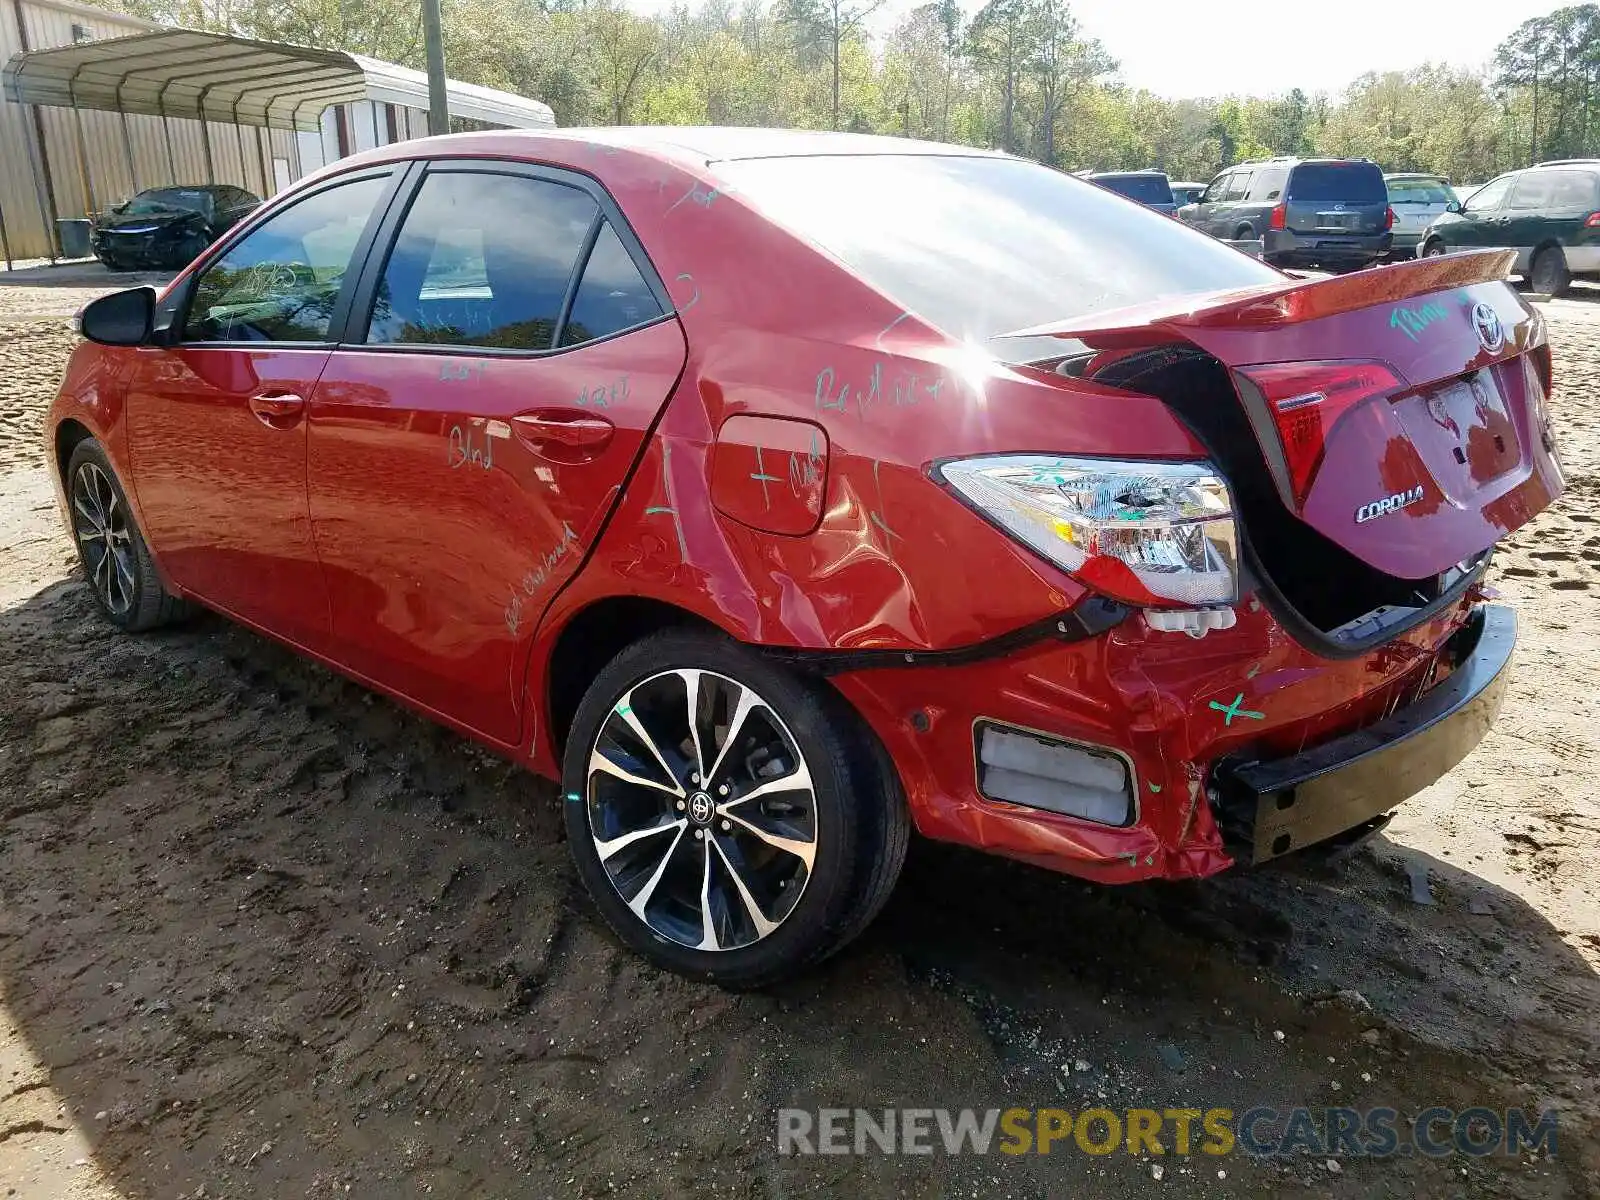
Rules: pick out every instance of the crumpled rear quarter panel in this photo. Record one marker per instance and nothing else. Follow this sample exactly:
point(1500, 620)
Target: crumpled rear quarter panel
point(1172, 703)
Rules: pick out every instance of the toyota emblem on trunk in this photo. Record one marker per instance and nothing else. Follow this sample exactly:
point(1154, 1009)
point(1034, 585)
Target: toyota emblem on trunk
point(1487, 322)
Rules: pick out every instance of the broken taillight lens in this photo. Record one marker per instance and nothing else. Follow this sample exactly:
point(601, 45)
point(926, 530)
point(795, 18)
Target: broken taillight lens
point(1306, 400)
point(1149, 533)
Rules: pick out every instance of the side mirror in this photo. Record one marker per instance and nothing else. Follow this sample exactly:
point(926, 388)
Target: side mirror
point(120, 319)
point(1453, 207)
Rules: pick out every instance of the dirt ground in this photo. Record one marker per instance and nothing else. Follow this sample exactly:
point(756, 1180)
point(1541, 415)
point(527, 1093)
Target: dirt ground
point(265, 934)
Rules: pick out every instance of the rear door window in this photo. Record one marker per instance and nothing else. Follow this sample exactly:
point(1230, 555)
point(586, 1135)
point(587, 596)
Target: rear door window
point(1238, 186)
point(482, 259)
point(1353, 183)
point(612, 296)
point(1532, 191)
point(1267, 185)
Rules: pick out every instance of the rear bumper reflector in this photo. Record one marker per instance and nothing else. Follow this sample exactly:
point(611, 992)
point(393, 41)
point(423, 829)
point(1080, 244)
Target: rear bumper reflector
point(1021, 766)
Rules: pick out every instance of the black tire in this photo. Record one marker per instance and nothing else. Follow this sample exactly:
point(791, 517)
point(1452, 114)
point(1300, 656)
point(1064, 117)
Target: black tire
point(856, 828)
point(122, 580)
point(1548, 274)
point(1244, 234)
point(1433, 249)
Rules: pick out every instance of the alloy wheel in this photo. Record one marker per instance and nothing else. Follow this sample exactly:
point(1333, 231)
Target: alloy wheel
point(702, 809)
point(105, 541)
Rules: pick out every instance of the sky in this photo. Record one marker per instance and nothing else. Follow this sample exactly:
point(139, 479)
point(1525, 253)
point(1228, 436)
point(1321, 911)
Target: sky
point(1202, 48)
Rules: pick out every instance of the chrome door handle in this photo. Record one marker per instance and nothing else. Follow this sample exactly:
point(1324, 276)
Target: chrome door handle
point(565, 436)
point(277, 409)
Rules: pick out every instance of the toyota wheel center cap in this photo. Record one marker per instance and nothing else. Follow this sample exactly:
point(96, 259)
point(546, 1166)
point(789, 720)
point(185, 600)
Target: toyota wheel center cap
point(701, 809)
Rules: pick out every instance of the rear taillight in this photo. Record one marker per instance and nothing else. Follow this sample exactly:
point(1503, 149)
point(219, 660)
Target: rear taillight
point(1593, 222)
point(1157, 534)
point(1306, 401)
point(1388, 218)
point(1280, 217)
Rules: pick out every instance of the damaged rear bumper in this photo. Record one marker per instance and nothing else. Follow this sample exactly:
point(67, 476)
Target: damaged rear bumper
point(1269, 808)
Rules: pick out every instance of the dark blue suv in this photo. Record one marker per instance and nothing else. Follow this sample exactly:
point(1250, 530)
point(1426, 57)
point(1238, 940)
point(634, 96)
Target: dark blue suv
point(1308, 212)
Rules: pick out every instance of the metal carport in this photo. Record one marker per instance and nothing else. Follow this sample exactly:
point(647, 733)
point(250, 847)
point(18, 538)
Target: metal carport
point(212, 77)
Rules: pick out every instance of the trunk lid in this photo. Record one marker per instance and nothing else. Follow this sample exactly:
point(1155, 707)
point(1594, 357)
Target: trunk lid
point(1400, 411)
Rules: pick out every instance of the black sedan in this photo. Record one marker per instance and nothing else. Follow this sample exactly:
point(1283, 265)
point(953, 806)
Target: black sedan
point(168, 226)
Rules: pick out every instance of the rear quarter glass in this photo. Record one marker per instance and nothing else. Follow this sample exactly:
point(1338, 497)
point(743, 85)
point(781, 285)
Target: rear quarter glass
point(1350, 182)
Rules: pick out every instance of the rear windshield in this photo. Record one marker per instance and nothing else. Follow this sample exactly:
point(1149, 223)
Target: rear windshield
point(1150, 189)
point(1361, 183)
point(1419, 191)
point(159, 200)
point(979, 246)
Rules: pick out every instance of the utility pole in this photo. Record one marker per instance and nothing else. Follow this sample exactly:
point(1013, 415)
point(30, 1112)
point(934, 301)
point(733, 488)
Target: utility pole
point(433, 38)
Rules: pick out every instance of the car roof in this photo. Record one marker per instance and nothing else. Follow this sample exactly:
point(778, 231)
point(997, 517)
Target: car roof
point(1416, 175)
point(708, 143)
point(1290, 160)
point(1126, 174)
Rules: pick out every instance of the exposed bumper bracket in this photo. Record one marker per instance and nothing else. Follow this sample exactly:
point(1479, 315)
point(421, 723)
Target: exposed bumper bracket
point(1270, 807)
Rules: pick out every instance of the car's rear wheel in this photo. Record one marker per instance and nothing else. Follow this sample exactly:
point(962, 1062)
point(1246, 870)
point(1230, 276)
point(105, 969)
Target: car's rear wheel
point(1549, 275)
point(732, 821)
point(116, 561)
point(1244, 234)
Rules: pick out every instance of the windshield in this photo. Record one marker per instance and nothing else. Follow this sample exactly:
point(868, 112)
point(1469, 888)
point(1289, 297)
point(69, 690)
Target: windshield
point(1361, 183)
point(981, 246)
point(1151, 189)
point(162, 200)
point(1418, 191)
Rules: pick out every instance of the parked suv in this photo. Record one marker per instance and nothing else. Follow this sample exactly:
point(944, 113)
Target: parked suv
point(1549, 214)
point(1417, 200)
point(1311, 212)
point(1150, 188)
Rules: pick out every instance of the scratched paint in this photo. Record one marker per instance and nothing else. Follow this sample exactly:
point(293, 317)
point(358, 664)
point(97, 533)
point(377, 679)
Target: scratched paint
point(451, 371)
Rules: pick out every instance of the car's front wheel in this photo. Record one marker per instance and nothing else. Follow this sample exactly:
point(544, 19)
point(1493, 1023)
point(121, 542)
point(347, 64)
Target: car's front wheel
point(1433, 249)
point(732, 821)
point(116, 561)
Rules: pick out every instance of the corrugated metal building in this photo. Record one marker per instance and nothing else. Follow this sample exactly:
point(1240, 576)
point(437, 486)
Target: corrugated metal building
point(78, 152)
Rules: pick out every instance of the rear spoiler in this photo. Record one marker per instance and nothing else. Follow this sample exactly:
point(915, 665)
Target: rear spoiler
point(1282, 302)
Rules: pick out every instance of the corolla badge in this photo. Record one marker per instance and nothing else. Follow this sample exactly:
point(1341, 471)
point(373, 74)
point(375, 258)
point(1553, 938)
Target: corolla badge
point(1387, 505)
point(1490, 332)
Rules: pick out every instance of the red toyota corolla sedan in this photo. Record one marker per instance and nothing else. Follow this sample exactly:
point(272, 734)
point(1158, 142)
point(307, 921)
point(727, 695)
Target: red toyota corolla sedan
point(779, 492)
